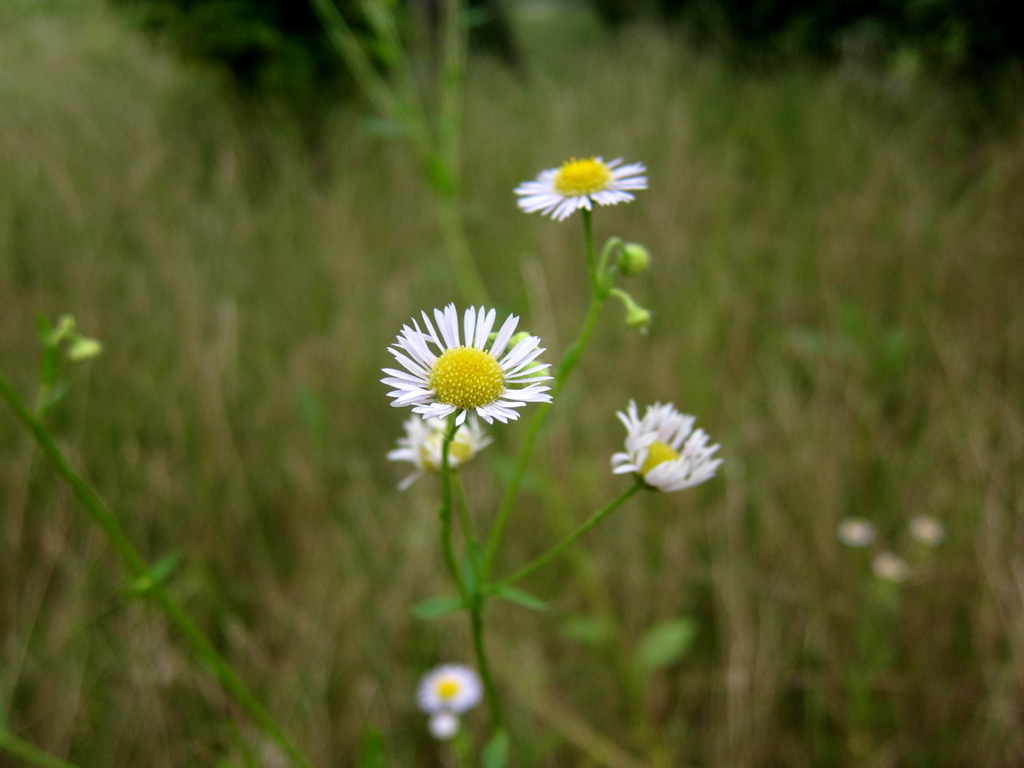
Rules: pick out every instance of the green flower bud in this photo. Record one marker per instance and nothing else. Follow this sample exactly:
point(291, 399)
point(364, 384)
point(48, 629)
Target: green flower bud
point(634, 260)
point(517, 338)
point(83, 348)
point(637, 317)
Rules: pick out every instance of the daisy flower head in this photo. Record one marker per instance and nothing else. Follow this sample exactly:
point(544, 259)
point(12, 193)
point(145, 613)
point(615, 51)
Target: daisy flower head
point(927, 530)
point(446, 373)
point(664, 450)
point(890, 567)
point(856, 532)
point(450, 688)
point(443, 725)
point(424, 440)
point(580, 184)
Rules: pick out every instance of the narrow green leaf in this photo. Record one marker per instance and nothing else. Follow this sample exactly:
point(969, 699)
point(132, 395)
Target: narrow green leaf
point(666, 643)
point(496, 752)
point(524, 599)
point(585, 630)
point(164, 567)
point(50, 368)
point(436, 607)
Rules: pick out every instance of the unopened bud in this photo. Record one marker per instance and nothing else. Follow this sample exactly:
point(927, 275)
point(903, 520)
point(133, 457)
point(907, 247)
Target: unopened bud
point(83, 348)
point(637, 317)
point(634, 260)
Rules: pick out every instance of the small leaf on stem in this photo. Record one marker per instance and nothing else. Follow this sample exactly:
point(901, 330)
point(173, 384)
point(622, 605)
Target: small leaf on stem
point(496, 752)
point(666, 643)
point(524, 599)
point(436, 607)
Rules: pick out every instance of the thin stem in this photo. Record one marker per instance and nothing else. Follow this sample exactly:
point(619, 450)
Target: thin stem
point(445, 511)
point(476, 610)
point(570, 359)
point(462, 506)
point(137, 566)
point(588, 241)
point(572, 538)
point(29, 753)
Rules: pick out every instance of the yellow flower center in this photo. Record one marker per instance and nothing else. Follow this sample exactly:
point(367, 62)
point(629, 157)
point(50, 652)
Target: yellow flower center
point(447, 689)
point(657, 453)
point(582, 177)
point(467, 378)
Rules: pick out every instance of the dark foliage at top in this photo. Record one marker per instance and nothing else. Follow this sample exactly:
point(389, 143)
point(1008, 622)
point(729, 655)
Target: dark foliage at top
point(961, 35)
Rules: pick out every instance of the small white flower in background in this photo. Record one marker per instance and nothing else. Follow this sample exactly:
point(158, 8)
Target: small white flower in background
point(579, 184)
point(890, 567)
point(927, 530)
point(445, 693)
point(443, 725)
point(664, 450)
point(424, 439)
point(856, 532)
point(460, 378)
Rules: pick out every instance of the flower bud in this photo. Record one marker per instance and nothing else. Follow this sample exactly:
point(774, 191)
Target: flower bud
point(517, 338)
point(634, 260)
point(637, 317)
point(83, 348)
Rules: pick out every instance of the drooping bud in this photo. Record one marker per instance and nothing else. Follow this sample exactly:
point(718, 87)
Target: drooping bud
point(637, 318)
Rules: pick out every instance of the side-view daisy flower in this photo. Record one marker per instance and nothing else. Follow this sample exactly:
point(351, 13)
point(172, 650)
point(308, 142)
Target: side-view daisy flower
point(424, 439)
point(580, 184)
point(890, 567)
point(856, 532)
point(445, 374)
point(664, 450)
point(445, 693)
point(927, 530)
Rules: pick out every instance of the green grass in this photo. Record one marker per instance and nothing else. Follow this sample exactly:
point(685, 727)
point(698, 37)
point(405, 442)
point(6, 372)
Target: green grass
point(836, 286)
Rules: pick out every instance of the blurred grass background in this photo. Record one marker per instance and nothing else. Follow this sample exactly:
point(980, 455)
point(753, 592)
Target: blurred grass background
point(837, 280)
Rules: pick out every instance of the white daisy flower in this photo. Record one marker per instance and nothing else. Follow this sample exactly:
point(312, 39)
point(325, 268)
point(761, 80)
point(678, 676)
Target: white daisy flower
point(457, 377)
point(664, 450)
point(424, 439)
point(856, 532)
point(890, 567)
point(927, 530)
point(443, 725)
point(450, 688)
point(579, 184)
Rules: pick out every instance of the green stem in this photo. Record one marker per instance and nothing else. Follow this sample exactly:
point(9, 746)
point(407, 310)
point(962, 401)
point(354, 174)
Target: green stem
point(476, 619)
point(137, 566)
point(445, 511)
point(588, 241)
point(570, 359)
point(572, 538)
point(29, 753)
point(462, 506)
point(470, 594)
